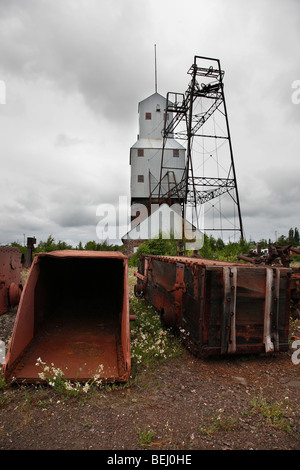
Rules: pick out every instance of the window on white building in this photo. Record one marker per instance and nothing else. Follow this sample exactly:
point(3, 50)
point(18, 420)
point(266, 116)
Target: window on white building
point(176, 153)
point(148, 116)
point(140, 152)
point(140, 178)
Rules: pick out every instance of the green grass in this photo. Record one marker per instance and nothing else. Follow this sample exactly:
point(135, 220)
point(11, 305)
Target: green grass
point(274, 413)
point(214, 424)
point(145, 436)
point(2, 381)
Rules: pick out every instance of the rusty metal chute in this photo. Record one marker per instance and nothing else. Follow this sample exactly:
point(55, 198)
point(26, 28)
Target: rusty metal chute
point(73, 313)
point(10, 278)
point(219, 307)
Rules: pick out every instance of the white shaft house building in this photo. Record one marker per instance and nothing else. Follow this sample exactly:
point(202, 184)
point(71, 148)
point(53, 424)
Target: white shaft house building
point(146, 173)
point(146, 154)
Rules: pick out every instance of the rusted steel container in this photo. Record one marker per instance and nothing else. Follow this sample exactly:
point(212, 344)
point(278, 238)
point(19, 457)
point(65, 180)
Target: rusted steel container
point(10, 278)
point(73, 313)
point(295, 293)
point(219, 307)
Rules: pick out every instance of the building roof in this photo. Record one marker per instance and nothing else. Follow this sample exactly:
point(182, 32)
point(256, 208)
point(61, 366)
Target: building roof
point(157, 144)
point(167, 222)
point(154, 95)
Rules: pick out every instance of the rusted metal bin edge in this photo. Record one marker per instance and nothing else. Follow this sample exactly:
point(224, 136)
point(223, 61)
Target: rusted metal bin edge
point(82, 254)
point(9, 364)
point(175, 288)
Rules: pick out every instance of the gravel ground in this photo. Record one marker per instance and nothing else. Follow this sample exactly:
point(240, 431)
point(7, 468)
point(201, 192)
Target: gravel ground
point(186, 404)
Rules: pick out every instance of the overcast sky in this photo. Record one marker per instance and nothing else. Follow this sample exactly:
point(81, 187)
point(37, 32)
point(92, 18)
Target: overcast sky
point(73, 71)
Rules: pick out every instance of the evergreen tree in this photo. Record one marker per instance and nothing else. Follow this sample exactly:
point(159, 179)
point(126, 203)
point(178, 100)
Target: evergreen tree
point(296, 237)
point(291, 236)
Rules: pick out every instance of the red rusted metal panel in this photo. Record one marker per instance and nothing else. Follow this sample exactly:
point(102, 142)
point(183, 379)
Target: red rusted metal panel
point(10, 278)
point(74, 313)
point(219, 307)
point(295, 292)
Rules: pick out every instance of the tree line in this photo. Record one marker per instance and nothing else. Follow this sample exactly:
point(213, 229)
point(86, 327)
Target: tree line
point(292, 238)
point(212, 248)
point(51, 245)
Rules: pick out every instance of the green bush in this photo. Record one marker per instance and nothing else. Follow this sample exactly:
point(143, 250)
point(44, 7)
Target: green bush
point(212, 249)
point(218, 250)
point(158, 246)
point(51, 245)
point(22, 248)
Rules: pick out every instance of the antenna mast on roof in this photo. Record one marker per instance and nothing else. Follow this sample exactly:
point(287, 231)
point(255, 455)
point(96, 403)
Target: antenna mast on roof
point(155, 68)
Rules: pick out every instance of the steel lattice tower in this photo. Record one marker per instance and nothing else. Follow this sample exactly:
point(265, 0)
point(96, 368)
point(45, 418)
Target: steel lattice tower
point(209, 184)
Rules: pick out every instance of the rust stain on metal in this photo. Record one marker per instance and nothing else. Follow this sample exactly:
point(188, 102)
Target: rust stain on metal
point(10, 278)
point(74, 313)
point(295, 292)
point(219, 307)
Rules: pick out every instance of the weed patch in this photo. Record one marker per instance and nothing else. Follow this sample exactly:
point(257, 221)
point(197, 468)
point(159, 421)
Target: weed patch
point(274, 413)
point(214, 424)
point(151, 344)
point(145, 436)
point(55, 377)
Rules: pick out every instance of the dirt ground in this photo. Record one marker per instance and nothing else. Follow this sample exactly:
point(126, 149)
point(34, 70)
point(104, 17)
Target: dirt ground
point(236, 403)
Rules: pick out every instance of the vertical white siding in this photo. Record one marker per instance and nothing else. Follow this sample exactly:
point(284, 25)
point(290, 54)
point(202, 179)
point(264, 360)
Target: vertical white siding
point(151, 141)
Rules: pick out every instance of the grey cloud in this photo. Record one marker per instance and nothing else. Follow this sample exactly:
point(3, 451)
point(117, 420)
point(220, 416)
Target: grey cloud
point(75, 217)
point(274, 197)
point(63, 140)
point(79, 49)
point(98, 55)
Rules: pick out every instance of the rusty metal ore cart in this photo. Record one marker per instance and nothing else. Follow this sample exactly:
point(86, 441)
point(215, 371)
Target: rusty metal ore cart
point(10, 278)
point(219, 307)
point(73, 313)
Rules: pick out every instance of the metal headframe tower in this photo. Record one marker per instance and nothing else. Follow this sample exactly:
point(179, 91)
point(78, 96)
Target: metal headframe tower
point(209, 184)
